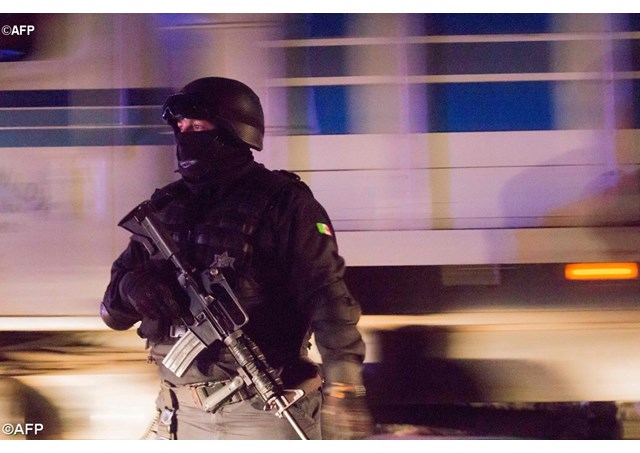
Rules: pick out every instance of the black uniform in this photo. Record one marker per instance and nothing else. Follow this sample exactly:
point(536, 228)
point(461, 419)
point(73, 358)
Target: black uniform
point(274, 243)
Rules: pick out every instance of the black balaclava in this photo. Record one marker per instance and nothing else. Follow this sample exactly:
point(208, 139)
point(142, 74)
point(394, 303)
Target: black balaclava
point(210, 158)
point(213, 159)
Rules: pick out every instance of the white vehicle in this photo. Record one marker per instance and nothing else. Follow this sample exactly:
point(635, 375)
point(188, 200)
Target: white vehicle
point(465, 160)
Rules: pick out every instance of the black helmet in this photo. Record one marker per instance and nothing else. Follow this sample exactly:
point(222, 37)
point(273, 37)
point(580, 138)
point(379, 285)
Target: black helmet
point(230, 103)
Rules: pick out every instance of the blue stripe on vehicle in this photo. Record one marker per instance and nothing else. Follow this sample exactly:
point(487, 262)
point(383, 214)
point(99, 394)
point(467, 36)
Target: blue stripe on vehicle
point(101, 116)
point(309, 26)
point(33, 138)
point(324, 25)
point(84, 98)
point(96, 117)
point(481, 24)
point(455, 107)
point(476, 107)
point(461, 107)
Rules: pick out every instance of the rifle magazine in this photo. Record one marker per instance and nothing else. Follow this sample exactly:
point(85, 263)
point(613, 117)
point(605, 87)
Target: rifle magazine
point(183, 353)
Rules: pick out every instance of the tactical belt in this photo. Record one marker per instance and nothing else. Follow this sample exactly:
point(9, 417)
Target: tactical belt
point(193, 395)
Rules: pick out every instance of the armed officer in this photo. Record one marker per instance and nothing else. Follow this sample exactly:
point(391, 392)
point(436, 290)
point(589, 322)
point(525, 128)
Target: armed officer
point(274, 244)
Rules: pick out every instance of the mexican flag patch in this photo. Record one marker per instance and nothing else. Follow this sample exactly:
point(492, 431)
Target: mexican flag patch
point(324, 229)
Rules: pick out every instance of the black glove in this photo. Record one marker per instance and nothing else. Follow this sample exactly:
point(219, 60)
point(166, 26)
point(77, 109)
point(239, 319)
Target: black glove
point(153, 294)
point(345, 414)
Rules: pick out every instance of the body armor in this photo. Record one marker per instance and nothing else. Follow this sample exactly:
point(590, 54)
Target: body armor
point(220, 233)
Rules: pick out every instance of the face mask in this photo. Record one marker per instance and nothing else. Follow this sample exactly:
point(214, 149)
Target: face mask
point(210, 156)
point(199, 153)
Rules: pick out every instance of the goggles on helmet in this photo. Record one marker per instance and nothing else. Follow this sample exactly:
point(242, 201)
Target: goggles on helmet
point(179, 106)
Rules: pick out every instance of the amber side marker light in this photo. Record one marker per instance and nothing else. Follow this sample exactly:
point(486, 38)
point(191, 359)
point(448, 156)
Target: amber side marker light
point(601, 271)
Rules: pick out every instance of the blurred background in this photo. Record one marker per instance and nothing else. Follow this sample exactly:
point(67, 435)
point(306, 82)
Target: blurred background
point(465, 160)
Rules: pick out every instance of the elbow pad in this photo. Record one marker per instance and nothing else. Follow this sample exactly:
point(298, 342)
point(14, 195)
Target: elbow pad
point(112, 322)
point(335, 303)
point(337, 337)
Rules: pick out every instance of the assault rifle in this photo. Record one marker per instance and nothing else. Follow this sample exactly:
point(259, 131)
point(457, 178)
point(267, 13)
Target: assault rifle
point(214, 319)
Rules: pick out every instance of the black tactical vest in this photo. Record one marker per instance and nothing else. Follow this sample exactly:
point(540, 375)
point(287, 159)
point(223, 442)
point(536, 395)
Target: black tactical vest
point(219, 232)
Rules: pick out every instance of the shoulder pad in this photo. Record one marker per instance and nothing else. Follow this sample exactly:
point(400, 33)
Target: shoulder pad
point(162, 197)
point(292, 177)
point(288, 174)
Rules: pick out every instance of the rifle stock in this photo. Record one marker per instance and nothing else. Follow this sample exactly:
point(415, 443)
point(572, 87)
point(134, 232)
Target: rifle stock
point(213, 320)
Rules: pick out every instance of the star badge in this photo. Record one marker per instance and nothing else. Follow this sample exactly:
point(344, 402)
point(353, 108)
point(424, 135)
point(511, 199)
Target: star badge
point(222, 261)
